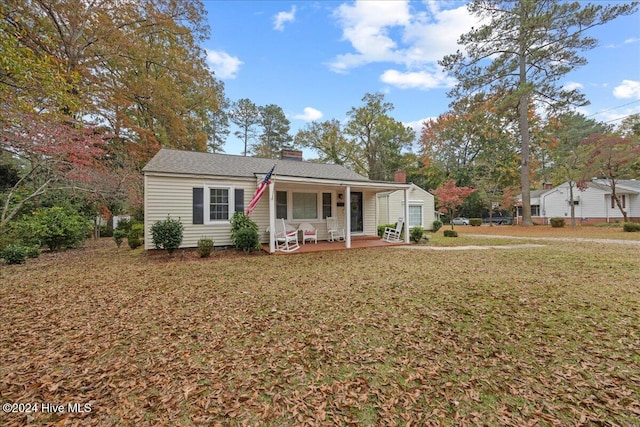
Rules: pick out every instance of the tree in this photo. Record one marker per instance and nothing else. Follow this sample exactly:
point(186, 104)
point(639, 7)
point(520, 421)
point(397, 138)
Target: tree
point(246, 116)
point(52, 154)
point(524, 48)
point(219, 124)
point(328, 140)
point(378, 138)
point(275, 132)
point(450, 197)
point(611, 156)
point(569, 153)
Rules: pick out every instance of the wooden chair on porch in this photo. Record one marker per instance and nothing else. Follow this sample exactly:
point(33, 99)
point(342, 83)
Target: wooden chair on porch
point(286, 239)
point(393, 234)
point(334, 230)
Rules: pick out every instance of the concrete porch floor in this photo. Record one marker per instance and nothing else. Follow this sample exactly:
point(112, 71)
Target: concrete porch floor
point(322, 245)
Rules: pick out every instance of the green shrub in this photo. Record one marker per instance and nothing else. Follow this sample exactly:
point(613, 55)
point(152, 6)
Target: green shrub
point(244, 233)
point(416, 234)
point(247, 239)
point(205, 247)
point(118, 235)
point(33, 251)
point(14, 254)
point(557, 222)
point(475, 222)
point(631, 226)
point(54, 227)
point(437, 225)
point(383, 227)
point(134, 242)
point(124, 224)
point(450, 233)
point(106, 231)
point(167, 234)
point(240, 221)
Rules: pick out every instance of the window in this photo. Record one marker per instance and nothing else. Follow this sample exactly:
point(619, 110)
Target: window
point(415, 215)
point(326, 205)
point(305, 205)
point(535, 210)
point(218, 204)
point(281, 204)
point(623, 202)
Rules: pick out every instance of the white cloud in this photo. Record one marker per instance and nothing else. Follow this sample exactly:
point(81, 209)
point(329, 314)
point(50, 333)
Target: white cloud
point(283, 17)
point(628, 89)
point(309, 115)
point(224, 65)
point(573, 85)
point(632, 40)
point(393, 31)
point(417, 80)
point(366, 25)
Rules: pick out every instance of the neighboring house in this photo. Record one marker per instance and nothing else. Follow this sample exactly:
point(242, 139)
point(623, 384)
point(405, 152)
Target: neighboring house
point(204, 190)
point(593, 205)
point(390, 207)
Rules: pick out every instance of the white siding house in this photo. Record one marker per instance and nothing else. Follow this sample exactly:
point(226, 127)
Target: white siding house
point(594, 204)
point(390, 207)
point(204, 190)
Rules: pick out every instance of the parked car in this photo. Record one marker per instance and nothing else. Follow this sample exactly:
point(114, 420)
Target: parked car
point(460, 221)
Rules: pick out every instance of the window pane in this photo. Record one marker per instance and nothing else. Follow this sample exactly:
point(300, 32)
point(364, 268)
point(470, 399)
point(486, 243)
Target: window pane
point(415, 215)
point(305, 206)
point(281, 204)
point(326, 205)
point(218, 204)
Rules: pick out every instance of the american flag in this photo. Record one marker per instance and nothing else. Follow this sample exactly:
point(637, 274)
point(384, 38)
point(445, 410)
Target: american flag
point(258, 194)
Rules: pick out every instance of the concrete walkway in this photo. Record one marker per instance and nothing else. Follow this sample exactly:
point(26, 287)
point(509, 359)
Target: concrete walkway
point(522, 246)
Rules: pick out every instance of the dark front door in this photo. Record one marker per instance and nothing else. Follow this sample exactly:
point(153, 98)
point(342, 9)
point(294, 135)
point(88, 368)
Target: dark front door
point(357, 217)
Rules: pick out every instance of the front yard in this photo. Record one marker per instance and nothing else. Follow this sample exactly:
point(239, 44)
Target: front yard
point(381, 336)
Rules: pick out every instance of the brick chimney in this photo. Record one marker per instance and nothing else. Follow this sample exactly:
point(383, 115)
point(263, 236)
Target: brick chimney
point(290, 154)
point(547, 186)
point(400, 176)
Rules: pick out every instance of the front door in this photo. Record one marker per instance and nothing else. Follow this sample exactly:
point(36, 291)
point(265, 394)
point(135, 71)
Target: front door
point(357, 216)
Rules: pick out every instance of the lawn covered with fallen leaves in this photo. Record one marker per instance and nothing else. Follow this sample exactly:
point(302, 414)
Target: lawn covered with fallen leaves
point(382, 336)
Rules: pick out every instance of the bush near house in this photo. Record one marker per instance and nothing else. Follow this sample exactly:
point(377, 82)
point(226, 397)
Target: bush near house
point(167, 234)
point(557, 222)
point(205, 247)
point(416, 234)
point(450, 233)
point(55, 227)
point(475, 222)
point(631, 226)
point(437, 225)
point(244, 233)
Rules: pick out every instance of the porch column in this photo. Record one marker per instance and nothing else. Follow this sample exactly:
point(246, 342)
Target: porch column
point(406, 215)
point(272, 218)
point(347, 214)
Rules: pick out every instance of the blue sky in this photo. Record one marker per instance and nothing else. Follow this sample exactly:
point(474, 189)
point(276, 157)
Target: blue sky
point(317, 59)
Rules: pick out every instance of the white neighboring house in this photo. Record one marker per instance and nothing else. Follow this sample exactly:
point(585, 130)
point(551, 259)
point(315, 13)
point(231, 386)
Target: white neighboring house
point(593, 205)
point(390, 205)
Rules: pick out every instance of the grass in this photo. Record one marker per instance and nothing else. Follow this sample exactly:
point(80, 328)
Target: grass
point(379, 336)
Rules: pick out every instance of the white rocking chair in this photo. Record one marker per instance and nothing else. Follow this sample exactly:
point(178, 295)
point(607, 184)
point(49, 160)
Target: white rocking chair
point(393, 234)
point(286, 240)
point(334, 230)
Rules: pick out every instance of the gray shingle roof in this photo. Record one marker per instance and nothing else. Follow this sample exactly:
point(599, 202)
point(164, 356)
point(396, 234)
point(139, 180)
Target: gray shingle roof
point(197, 163)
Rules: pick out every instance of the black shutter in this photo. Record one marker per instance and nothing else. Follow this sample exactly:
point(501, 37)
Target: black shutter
point(239, 200)
point(198, 205)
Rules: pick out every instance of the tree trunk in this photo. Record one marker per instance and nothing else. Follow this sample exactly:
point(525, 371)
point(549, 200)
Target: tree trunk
point(573, 206)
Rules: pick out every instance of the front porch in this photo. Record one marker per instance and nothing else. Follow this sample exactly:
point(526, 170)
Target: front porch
point(323, 245)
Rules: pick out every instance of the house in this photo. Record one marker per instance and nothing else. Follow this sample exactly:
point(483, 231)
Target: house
point(204, 190)
point(592, 205)
point(390, 206)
